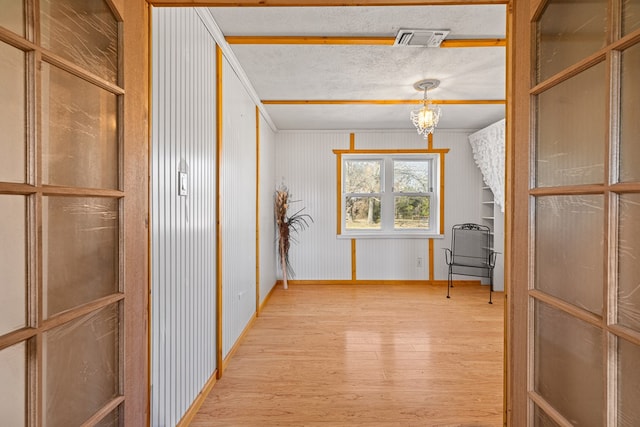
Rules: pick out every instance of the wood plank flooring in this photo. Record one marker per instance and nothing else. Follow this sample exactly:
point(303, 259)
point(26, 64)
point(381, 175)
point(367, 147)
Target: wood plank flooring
point(366, 355)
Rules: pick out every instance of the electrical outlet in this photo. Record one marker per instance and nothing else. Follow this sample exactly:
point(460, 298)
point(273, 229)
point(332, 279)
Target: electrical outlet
point(419, 262)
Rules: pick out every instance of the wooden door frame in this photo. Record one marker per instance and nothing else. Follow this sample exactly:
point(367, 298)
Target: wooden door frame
point(137, 66)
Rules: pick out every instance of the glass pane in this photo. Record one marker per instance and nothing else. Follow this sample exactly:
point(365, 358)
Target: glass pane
point(80, 248)
point(12, 16)
point(13, 263)
point(630, 16)
point(12, 113)
point(569, 249)
point(628, 265)
point(541, 419)
point(80, 135)
point(84, 32)
point(362, 176)
point(568, 31)
point(111, 420)
point(568, 365)
point(412, 212)
point(628, 384)
point(363, 213)
point(80, 367)
point(571, 130)
point(630, 115)
point(411, 176)
point(13, 374)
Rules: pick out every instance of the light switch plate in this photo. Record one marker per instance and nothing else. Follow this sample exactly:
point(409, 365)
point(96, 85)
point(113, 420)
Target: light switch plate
point(182, 184)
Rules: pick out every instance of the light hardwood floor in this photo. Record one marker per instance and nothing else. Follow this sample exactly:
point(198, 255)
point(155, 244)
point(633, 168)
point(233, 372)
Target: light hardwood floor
point(369, 355)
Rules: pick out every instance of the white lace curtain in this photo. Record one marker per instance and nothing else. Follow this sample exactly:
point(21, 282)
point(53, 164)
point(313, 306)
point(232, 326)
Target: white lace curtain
point(488, 152)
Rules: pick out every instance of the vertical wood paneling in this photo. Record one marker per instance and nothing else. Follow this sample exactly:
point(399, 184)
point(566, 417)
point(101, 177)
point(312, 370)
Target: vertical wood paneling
point(307, 166)
point(183, 227)
point(238, 194)
point(267, 223)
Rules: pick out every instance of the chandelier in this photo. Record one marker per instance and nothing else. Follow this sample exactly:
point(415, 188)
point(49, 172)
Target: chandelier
point(426, 118)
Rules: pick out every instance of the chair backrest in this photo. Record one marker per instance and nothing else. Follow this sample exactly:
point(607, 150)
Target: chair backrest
point(471, 245)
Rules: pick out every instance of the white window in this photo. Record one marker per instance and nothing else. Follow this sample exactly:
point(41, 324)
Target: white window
point(390, 194)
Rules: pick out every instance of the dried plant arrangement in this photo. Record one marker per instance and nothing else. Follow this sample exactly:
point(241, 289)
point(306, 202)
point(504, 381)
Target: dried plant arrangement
point(287, 227)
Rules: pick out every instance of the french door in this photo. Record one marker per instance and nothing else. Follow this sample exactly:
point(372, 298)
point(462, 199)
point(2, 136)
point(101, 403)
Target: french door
point(577, 217)
point(62, 204)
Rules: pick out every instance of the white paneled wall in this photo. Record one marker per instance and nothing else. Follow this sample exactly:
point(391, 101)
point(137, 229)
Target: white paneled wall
point(238, 195)
point(305, 163)
point(267, 221)
point(183, 253)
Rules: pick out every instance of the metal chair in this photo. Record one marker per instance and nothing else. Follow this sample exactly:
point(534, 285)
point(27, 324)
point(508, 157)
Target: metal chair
point(471, 253)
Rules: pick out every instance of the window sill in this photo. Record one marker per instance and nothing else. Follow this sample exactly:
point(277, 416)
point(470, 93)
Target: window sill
point(380, 235)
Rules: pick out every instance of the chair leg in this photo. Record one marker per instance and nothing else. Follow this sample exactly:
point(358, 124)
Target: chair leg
point(490, 287)
point(449, 284)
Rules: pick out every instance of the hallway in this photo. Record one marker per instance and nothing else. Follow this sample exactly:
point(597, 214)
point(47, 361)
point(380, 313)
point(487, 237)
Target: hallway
point(376, 355)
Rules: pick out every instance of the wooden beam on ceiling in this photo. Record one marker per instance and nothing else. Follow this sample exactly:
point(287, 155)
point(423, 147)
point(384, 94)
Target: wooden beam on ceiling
point(319, 3)
point(370, 41)
point(382, 101)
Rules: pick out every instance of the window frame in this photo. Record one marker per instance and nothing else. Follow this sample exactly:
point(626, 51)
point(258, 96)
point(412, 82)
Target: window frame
point(387, 194)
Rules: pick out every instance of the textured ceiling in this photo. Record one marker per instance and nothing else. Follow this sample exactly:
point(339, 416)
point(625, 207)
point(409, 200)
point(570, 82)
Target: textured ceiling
point(314, 72)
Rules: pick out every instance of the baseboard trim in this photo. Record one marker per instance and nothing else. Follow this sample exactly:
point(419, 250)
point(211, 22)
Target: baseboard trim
point(199, 400)
point(266, 299)
point(246, 329)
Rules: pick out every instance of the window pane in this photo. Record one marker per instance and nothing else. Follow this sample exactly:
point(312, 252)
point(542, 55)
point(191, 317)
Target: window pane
point(12, 16)
point(628, 265)
point(13, 264)
point(630, 16)
point(571, 130)
point(80, 365)
point(13, 374)
point(111, 420)
point(569, 249)
point(630, 115)
point(541, 419)
point(362, 213)
point(628, 384)
point(412, 212)
point(362, 176)
point(568, 365)
point(568, 31)
point(80, 248)
point(411, 176)
point(80, 135)
point(12, 113)
point(84, 32)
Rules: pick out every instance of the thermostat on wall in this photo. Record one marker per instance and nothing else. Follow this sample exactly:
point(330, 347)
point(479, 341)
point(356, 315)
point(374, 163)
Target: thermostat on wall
point(182, 184)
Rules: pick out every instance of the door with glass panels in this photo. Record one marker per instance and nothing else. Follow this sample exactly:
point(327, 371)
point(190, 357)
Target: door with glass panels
point(61, 199)
point(584, 214)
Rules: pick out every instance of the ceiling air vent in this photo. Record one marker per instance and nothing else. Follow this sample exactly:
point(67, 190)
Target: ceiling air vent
point(420, 38)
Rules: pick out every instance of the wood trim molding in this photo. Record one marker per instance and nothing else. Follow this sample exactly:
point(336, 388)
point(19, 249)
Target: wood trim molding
point(188, 416)
point(393, 151)
point(431, 261)
point(353, 260)
point(383, 282)
point(359, 41)
point(317, 3)
point(218, 142)
point(233, 349)
point(257, 211)
point(266, 298)
point(382, 101)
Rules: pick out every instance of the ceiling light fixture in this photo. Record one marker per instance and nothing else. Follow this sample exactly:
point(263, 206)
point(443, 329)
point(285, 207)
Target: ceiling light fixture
point(426, 119)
